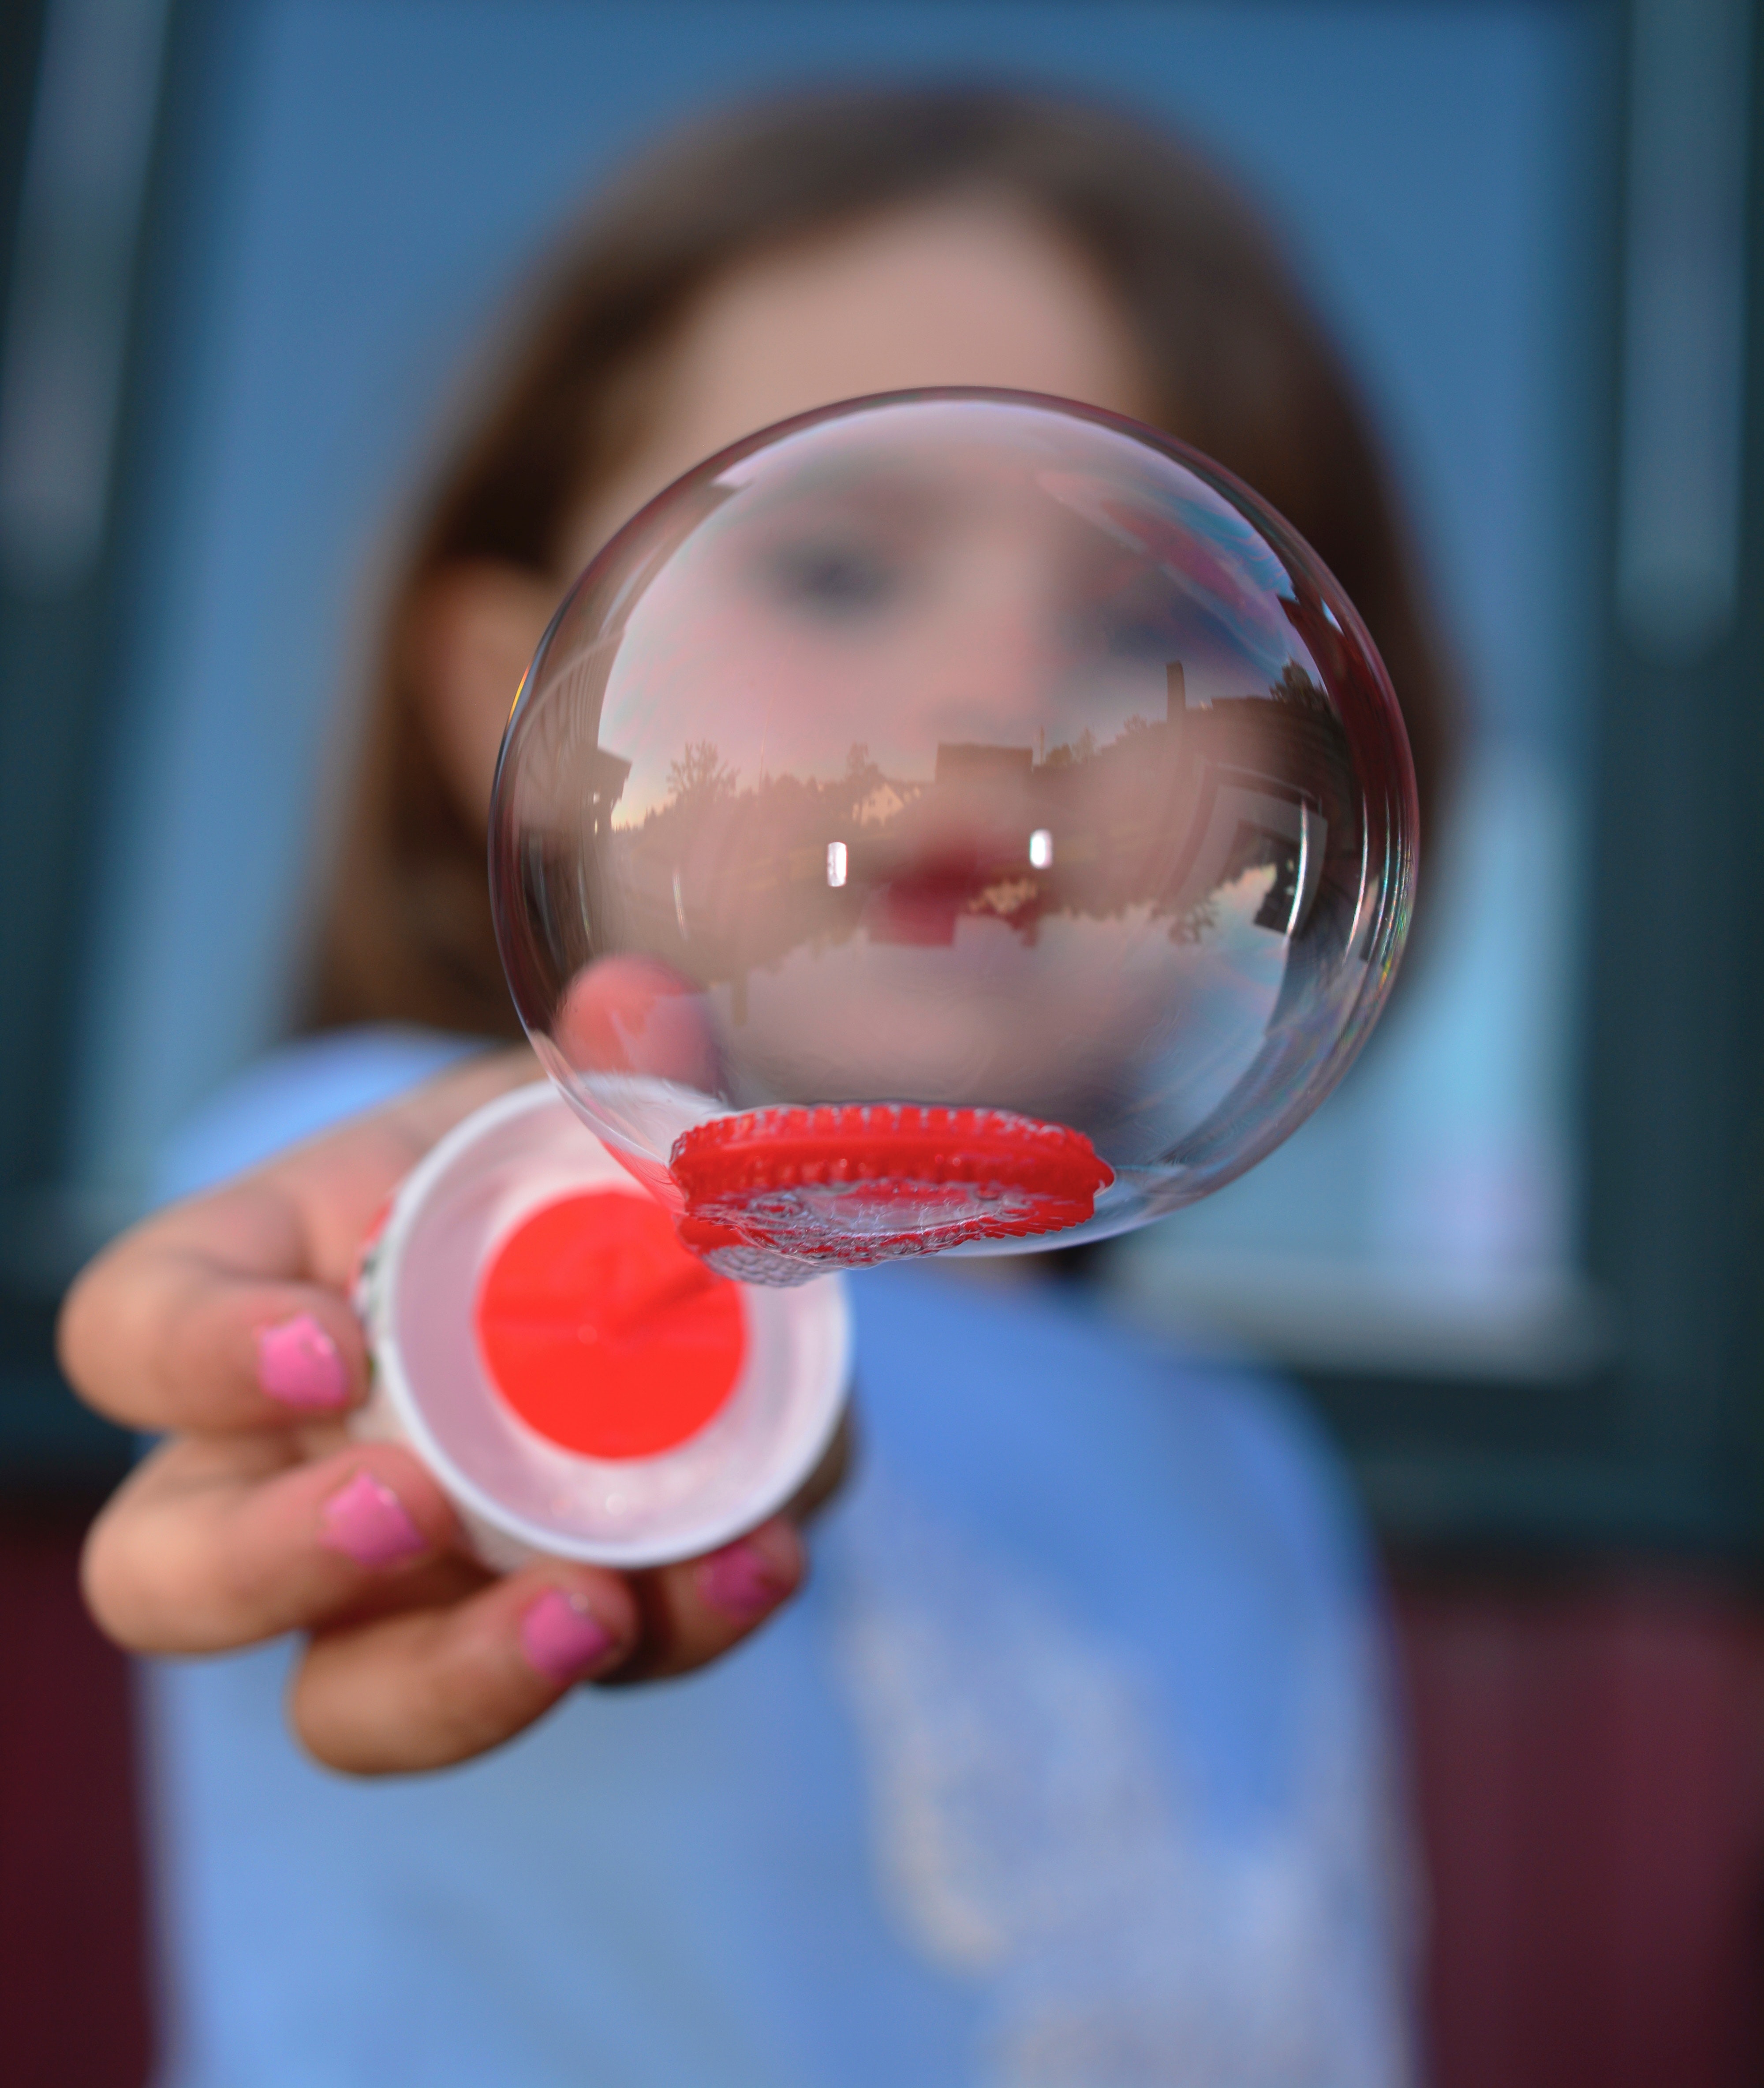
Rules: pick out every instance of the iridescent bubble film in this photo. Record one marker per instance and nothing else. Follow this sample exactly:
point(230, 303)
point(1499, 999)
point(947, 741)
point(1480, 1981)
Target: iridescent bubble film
point(955, 820)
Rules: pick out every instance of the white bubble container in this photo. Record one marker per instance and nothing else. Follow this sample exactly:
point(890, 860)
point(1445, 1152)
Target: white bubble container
point(519, 1494)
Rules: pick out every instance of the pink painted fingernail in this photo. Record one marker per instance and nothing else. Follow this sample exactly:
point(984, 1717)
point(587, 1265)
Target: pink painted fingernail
point(751, 1575)
point(367, 1522)
point(562, 1636)
point(298, 1364)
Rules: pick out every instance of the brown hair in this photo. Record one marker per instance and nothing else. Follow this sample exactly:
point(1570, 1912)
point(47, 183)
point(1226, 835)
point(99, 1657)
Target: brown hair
point(1240, 367)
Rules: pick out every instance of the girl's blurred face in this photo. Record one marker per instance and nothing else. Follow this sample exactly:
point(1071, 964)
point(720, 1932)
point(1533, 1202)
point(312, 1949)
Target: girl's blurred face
point(958, 292)
point(961, 292)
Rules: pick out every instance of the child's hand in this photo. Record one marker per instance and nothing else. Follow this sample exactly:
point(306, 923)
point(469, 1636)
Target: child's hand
point(224, 1322)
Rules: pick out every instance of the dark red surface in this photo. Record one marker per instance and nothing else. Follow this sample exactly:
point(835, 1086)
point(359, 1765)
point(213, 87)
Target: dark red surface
point(73, 1990)
point(1589, 1763)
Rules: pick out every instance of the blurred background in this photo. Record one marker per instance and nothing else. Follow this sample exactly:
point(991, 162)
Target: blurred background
point(1517, 1261)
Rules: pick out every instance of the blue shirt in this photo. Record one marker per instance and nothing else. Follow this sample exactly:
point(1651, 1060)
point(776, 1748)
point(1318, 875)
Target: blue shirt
point(1070, 1768)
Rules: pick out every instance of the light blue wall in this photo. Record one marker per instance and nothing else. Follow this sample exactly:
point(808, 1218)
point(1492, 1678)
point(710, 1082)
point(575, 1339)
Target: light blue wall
point(375, 177)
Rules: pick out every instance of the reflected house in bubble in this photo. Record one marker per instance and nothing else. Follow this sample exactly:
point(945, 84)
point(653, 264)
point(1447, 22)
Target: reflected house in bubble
point(606, 777)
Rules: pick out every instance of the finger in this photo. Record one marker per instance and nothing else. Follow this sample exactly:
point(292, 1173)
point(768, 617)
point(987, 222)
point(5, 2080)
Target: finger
point(638, 1015)
point(230, 1311)
point(210, 1350)
point(426, 1687)
point(694, 1612)
point(223, 1542)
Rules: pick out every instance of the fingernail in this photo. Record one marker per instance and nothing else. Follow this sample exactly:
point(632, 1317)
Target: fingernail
point(298, 1364)
point(367, 1522)
point(562, 1636)
point(750, 1577)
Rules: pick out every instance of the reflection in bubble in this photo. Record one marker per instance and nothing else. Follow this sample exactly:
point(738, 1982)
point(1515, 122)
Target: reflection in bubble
point(961, 751)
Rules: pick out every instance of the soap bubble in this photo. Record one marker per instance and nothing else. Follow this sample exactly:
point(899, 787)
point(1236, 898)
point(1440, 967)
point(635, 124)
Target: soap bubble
point(954, 819)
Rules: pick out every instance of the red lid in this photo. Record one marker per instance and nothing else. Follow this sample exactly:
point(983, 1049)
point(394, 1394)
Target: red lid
point(850, 1182)
point(603, 1332)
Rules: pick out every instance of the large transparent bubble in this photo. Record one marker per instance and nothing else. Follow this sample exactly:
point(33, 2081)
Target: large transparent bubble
point(951, 819)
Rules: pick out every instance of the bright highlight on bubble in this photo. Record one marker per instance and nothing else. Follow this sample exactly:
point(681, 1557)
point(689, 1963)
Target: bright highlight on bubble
point(954, 820)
